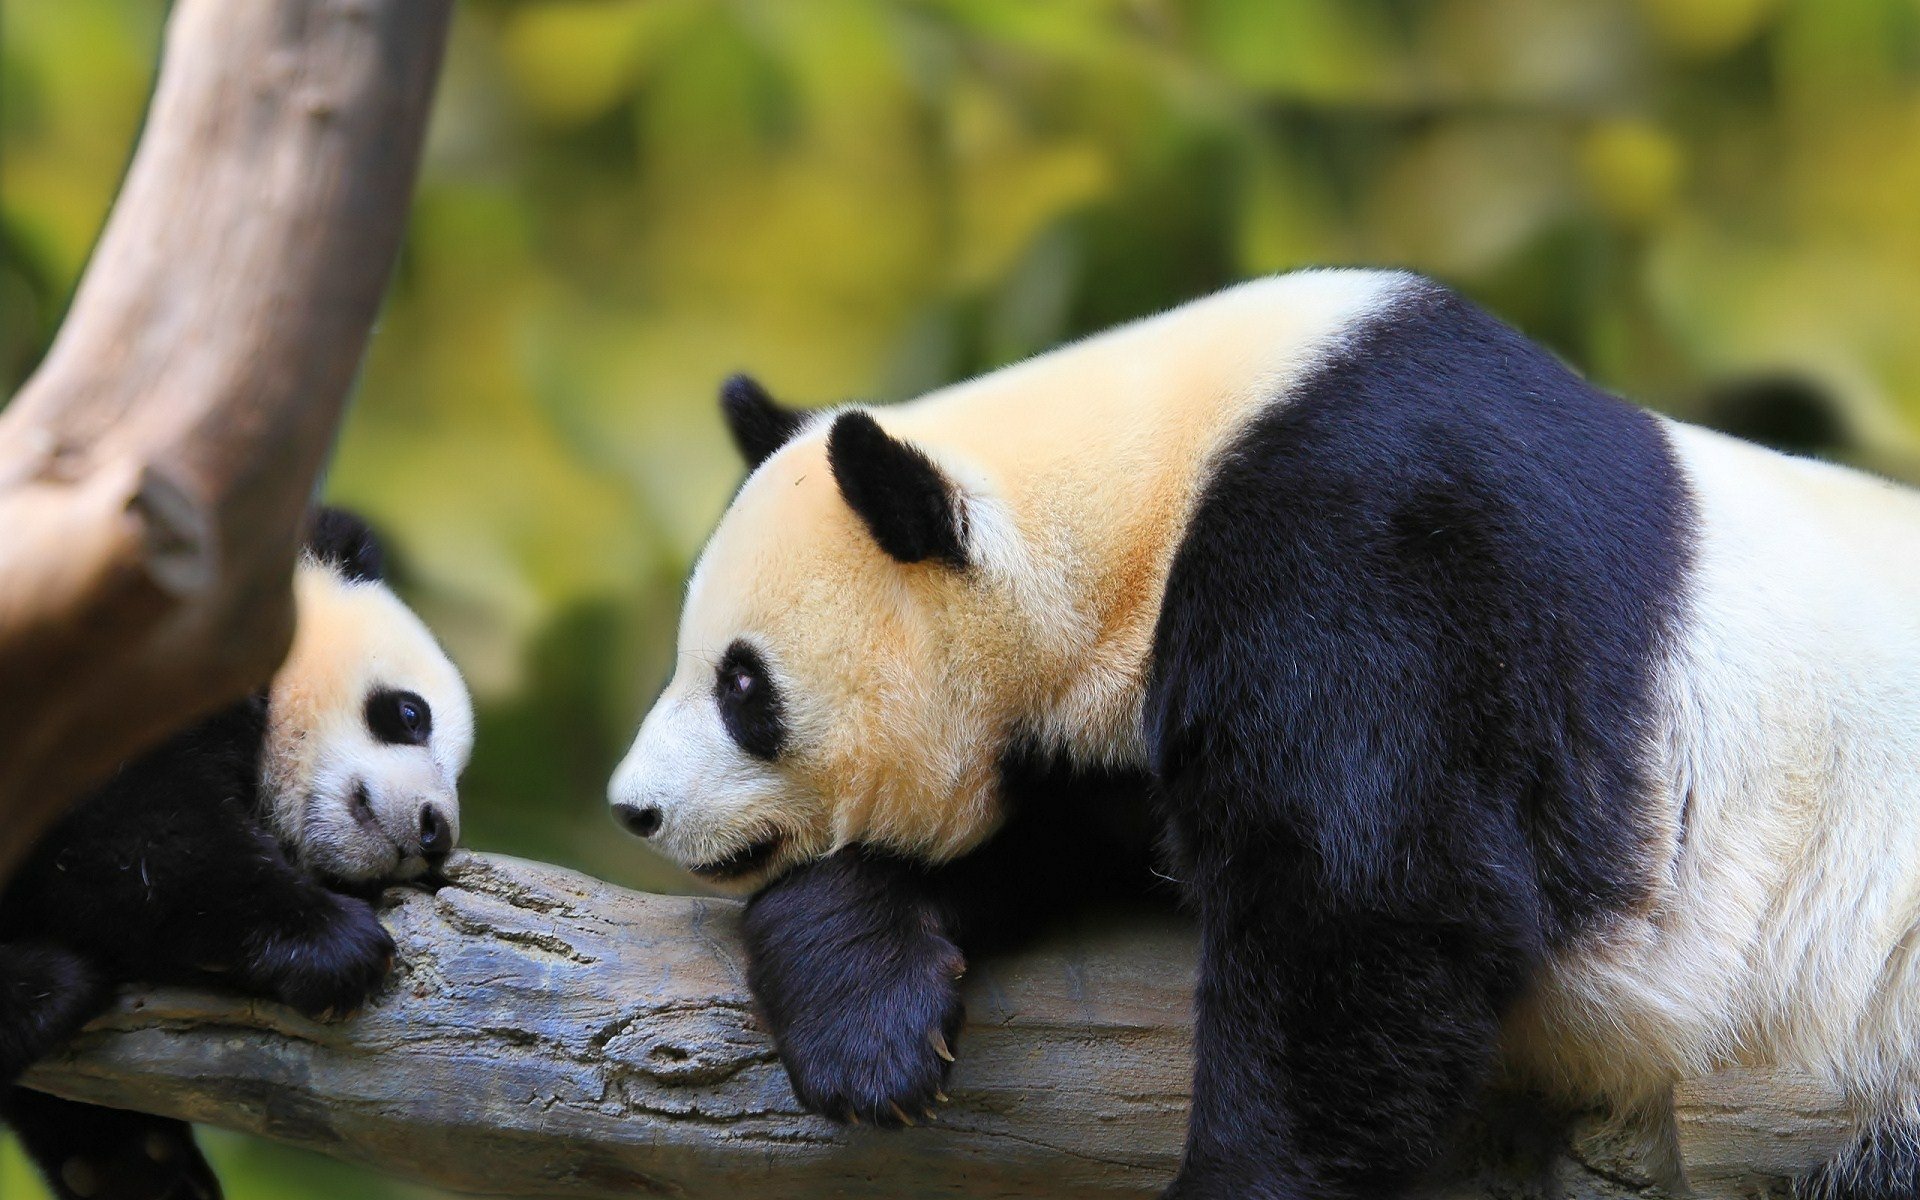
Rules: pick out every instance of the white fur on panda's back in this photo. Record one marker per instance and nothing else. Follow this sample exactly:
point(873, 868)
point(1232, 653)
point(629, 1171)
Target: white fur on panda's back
point(1785, 928)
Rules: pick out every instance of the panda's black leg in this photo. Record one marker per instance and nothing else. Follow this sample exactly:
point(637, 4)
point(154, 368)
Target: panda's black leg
point(46, 993)
point(854, 961)
point(1336, 1049)
point(321, 952)
point(87, 1152)
point(852, 965)
point(293, 939)
point(178, 882)
point(1883, 1164)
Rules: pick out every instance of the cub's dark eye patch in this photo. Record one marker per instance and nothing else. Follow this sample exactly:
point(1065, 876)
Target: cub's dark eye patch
point(750, 705)
point(399, 718)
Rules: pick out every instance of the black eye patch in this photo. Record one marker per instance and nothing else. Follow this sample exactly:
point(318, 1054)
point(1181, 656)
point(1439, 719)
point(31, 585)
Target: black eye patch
point(399, 718)
point(750, 705)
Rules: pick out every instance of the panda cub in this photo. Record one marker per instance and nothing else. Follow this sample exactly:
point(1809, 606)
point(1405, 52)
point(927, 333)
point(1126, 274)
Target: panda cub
point(1496, 726)
point(228, 853)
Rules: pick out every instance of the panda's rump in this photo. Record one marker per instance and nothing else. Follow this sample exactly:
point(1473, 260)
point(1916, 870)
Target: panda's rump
point(1785, 919)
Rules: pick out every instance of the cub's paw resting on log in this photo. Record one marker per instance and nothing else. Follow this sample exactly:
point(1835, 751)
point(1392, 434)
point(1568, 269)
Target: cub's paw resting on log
point(332, 962)
point(858, 981)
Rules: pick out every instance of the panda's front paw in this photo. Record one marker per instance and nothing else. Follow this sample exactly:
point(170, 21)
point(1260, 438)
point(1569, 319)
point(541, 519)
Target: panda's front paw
point(882, 1057)
point(331, 967)
point(859, 983)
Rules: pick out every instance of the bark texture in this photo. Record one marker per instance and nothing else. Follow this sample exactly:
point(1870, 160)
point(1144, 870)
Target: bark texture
point(548, 1034)
point(154, 470)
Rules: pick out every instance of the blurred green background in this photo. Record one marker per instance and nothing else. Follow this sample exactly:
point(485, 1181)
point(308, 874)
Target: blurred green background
point(1710, 205)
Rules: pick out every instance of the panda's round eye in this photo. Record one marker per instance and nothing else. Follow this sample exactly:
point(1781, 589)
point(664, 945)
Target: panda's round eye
point(399, 718)
point(750, 705)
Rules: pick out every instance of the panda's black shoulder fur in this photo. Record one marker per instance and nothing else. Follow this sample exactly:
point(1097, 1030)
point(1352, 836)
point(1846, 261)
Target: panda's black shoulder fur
point(1446, 567)
point(1399, 711)
point(161, 825)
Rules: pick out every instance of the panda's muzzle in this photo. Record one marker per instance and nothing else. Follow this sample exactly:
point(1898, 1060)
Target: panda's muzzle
point(741, 863)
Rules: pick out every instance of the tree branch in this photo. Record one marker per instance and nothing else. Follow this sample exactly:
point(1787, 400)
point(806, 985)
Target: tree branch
point(552, 1035)
point(154, 470)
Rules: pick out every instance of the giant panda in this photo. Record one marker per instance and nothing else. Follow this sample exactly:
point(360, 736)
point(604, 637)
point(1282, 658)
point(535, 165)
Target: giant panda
point(228, 853)
point(1497, 727)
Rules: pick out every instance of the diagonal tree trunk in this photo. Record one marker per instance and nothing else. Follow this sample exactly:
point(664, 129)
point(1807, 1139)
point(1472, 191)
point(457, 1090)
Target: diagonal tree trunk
point(154, 470)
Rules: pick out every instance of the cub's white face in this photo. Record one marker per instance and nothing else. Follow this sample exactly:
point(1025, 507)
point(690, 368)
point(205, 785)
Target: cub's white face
point(368, 728)
point(825, 694)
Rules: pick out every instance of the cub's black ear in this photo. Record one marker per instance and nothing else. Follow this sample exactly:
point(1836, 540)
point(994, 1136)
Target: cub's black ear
point(758, 424)
point(343, 541)
point(908, 505)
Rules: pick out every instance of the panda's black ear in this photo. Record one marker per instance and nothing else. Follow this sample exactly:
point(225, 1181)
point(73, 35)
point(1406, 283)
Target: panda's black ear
point(758, 424)
point(911, 509)
point(343, 541)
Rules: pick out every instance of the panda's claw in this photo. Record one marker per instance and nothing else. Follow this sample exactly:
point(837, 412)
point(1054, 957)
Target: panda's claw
point(878, 1069)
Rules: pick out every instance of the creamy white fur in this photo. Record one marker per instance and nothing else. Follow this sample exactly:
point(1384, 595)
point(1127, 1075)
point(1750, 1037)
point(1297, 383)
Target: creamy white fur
point(1784, 925)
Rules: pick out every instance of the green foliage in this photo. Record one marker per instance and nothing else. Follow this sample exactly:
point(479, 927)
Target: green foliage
point(626, 199)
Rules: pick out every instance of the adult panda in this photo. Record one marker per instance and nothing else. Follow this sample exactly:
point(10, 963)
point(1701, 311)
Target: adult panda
point(1496, 725)
point(227, 854)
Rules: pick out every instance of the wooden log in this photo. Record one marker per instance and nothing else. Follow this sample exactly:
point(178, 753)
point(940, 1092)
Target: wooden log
point(154, 470)
point(552, 1035)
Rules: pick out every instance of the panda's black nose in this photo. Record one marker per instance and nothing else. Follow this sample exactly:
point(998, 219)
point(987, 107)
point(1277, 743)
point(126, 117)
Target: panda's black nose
point(436, 836)
point(641, 822)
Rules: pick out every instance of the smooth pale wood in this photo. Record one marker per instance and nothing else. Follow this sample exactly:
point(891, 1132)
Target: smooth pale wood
point(1743, 1130)
point(552, 1035)
point(154, 470)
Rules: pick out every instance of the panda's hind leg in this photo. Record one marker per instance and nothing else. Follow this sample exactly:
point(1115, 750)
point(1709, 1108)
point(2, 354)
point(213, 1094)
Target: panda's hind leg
point(1883, 1163)
point(87, 1152)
